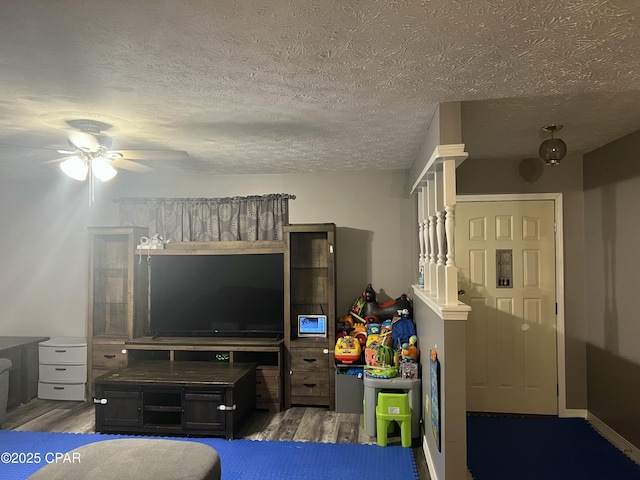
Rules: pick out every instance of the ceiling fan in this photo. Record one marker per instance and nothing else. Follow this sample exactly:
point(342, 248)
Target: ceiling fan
point(91, 156)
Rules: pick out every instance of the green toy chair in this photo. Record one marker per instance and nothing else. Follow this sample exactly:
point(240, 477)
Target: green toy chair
point(393, 407)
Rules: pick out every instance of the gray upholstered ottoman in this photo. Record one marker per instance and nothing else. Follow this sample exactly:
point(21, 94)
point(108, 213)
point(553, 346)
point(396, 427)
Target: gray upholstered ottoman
point(139, 458)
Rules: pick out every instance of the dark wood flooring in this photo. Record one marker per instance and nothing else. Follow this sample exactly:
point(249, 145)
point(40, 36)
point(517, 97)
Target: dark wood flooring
point(305, 424)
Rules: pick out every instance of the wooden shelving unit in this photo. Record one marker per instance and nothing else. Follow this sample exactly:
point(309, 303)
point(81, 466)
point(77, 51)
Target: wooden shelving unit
point(117, 301)
point(310, 288)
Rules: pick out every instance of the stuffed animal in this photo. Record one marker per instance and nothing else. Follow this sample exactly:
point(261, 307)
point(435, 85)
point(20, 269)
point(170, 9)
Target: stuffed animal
point(410, 350)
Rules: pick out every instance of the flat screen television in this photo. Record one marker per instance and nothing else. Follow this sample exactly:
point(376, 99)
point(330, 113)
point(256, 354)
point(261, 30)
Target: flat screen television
point(217, 295)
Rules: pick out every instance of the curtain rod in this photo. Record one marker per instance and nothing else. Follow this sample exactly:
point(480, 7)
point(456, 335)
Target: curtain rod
point(196, 199)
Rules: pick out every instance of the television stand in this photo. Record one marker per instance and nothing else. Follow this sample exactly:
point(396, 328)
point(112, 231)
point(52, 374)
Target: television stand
point(176, 398)
point(265, 353)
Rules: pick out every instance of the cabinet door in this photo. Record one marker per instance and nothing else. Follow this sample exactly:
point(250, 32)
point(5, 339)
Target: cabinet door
point(122, 408)
point(117, 284)
point(202, 411)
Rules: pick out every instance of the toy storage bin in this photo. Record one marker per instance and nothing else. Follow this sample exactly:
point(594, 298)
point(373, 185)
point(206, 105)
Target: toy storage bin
point(349, 392)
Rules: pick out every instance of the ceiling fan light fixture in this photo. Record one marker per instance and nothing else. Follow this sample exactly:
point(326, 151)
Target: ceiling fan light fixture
point(552, 150)
point(102, 169)
point(75, 168)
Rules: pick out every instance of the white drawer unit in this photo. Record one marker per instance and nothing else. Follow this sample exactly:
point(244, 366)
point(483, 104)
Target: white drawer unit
point(65, 350)
point(63, 373)
point(63, 369)
point(61, 391)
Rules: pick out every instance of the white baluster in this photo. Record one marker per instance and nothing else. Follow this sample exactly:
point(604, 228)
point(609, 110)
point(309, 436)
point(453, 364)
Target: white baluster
point(421, 238)
point(449, 226)
point(432, 255)
point(451, 271)
point(441, 254)
point(440, 237)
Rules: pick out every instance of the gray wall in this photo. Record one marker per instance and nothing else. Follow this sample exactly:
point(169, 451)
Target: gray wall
point(492, 176)
point(43, 281)
point(612, 263)
point(444, 128)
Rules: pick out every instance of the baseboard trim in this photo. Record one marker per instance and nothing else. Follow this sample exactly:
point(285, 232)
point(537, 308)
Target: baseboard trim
point(629, 449)
point(427, 456)
point(574, 413)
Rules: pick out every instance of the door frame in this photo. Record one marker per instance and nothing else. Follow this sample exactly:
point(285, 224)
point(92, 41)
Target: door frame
point(559, 266)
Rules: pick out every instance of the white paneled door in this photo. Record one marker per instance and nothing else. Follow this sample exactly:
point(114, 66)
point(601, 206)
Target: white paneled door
point(506, 260)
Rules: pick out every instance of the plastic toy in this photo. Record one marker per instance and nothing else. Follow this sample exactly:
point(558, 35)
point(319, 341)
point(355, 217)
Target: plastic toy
point(378, 355)
point(381, 372)
point(360, 332)
point(374, 312)
point(373, 333)
point(347, 349)
point(409, 350)
point(350, 323)
point(379, 362)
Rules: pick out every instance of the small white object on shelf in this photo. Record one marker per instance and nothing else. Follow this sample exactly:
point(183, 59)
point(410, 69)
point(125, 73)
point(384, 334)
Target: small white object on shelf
point(154, 243)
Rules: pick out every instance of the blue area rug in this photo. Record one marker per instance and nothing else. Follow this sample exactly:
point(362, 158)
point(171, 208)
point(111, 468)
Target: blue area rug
point(240, 459)
point(526, 448)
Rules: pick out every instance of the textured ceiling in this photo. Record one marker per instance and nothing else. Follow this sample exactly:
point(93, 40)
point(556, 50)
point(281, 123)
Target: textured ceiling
point(311, 86)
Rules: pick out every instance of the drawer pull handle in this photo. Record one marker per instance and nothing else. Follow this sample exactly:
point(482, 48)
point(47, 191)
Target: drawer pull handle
point(58, 388)
point(310, 360)
point(61, 369)
point(109, 356)
point(60, 351)
point(310, 385)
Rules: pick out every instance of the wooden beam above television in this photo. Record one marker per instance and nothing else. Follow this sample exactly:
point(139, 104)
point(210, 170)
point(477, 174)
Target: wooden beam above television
point(217, 248)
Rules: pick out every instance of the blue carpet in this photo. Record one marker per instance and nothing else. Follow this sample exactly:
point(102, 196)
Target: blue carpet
point(526, 448)
point(240, 459)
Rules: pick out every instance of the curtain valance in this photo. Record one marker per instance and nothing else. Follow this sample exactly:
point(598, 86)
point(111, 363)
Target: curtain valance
point(256, 217)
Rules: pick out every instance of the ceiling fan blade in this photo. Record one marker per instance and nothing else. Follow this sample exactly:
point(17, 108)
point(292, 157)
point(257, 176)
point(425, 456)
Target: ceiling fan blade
point(32, 147)
point(125, 164)
point(142, 154)
point(57, 160)
point(86, 142)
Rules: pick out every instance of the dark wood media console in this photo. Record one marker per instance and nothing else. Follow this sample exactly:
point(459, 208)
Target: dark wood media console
point(176, 398)
point(265, 353)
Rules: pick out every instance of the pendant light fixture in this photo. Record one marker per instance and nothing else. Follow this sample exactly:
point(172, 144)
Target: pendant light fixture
point(552, 150)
